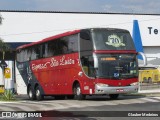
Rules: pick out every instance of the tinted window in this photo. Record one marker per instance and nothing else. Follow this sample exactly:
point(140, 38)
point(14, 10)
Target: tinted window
point(86, 49)
point(112, 40)
point(65, 45)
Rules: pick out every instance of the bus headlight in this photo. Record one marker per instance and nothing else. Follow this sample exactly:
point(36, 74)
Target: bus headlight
point(102, 85)
point(134, 84)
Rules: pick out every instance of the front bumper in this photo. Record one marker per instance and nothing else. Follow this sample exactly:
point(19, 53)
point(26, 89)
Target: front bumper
point(115, 90)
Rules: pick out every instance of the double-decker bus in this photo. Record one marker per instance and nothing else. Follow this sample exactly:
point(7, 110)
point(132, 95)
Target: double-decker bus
point(93, 61)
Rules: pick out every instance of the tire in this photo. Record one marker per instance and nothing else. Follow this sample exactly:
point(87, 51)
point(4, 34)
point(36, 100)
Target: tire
point(39, 95)
point(113, 96)
point(77, 93)
point(31, 93)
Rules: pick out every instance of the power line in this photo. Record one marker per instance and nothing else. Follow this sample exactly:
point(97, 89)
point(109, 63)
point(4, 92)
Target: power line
point(69, 29)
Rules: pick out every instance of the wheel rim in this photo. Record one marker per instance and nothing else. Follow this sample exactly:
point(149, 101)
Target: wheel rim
point(37, 93)
point(78, 91)
point(30, 93)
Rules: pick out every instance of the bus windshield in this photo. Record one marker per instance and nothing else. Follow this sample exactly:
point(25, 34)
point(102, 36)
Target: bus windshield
point(117, 66)
point(115, 39)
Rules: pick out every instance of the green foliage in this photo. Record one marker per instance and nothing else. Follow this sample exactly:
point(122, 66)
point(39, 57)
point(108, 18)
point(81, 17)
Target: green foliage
point(7, 96)
point(3, 46)
point(1, 18)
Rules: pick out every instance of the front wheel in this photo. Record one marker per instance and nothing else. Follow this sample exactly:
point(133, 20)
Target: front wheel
point(77, 93)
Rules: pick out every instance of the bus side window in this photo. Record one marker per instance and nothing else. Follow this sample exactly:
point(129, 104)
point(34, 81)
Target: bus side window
point(25, 55)
point(51, 48)
point(37, 52)
point(73, 43)
point(68, 44)
point(20, 56)
point(29, 52)
point(63, 46)
point(43, 49)
point(34, 53)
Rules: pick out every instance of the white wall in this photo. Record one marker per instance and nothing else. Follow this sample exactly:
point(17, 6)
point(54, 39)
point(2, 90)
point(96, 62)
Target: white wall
point(31, 27)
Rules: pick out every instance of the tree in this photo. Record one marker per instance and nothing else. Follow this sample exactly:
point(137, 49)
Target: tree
point(1, 19)
point(3, 48)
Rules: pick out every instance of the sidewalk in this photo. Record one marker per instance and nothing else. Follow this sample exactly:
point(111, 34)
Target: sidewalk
point(150, 91)
point(149, 88)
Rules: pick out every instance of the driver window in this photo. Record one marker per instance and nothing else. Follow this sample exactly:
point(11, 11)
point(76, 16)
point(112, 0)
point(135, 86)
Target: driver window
point(86, 49)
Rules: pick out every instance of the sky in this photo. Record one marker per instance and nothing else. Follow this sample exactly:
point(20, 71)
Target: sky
point(113, 6)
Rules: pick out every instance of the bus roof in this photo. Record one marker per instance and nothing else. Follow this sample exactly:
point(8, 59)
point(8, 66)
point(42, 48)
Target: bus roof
point(49, 39)
point(63, 35)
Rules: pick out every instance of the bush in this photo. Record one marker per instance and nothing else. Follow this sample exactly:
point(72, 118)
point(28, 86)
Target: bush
point(7, 96)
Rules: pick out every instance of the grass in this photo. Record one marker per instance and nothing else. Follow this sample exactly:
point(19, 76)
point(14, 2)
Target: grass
point(8, 95)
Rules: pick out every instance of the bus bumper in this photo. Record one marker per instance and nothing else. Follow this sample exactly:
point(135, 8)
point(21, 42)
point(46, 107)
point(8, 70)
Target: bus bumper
point(115, 90)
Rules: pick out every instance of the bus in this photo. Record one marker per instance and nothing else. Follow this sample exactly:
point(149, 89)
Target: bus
point(90, 61)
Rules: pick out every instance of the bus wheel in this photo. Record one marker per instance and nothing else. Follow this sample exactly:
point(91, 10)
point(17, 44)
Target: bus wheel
point(31, 94)
point(77, 93)
point(113, 96)
point(39, 95)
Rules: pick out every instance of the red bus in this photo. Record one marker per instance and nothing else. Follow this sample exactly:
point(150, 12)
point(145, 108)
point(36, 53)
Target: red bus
point(94, 61)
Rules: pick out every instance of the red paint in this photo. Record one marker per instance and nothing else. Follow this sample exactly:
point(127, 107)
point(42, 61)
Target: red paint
point(57, 74)
point(114, 51)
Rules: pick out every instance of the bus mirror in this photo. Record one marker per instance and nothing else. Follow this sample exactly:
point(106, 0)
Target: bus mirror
point(95, 61)
point(144, 58)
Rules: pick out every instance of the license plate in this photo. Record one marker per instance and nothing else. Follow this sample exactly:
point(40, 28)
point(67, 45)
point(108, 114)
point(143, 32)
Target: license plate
point(119, 90)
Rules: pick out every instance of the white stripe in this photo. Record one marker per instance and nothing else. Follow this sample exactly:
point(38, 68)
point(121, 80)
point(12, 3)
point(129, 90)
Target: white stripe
point(7, 108)
point(150, 99)
point(157, 97)
point(19, 107)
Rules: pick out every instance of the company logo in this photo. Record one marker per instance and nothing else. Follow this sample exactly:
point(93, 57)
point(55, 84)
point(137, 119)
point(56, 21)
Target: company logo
point(115, 41)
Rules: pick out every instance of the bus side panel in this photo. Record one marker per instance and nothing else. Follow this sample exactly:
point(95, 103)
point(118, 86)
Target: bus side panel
point(68, 72)
point(27, 75)
point(43, 75)
point(20, 83)
point(56, 74)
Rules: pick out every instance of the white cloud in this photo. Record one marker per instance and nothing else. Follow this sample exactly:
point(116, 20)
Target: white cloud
point(136, 6)
point(107, 8)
